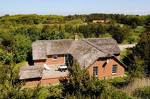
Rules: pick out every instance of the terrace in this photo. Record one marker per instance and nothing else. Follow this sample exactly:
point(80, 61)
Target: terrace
point(54, 71)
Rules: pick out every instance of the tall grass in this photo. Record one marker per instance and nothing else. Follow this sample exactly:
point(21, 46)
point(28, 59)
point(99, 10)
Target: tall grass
point(135, 84)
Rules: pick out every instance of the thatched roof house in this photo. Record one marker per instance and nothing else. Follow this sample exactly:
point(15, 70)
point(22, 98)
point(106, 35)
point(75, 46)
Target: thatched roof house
point(85, 51)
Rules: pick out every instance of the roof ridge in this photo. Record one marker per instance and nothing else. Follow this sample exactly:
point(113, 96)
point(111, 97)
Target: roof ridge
point(97, 38)
point(95, 46)
point(54, 40)
point(73, 39)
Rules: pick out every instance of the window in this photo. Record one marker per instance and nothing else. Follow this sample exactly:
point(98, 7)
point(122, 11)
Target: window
point(55, 57)
point(114, 68)
point(95, 71)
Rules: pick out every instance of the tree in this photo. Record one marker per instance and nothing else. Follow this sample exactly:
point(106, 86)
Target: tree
point(81, 84)
point(21, 46)
point(142, 50)
point(138, 59)
point(118, 33)
point(5, 56)
point(7, 39)
point(9, 83)
point(147, 21)
point(54, 92)
point(12, 88)
point(131, 20)
point(34, 33)
point(78, 79)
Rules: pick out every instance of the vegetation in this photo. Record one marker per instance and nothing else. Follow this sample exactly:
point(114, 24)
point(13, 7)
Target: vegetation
point(143, 93)
point(17, 33)
point(138, 58)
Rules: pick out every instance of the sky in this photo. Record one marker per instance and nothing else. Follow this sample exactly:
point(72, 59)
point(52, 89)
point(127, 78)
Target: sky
point(67, 7)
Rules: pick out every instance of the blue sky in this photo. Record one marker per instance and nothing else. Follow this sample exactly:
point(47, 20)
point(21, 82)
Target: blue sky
point(65, 7)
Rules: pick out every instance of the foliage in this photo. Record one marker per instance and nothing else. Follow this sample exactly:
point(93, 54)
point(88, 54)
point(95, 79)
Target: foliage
point(5, 56)
point(118, 33)
point(48, 34)
point(92, 30)
point(143, 93)
point(55, 92)
point(21, 46)
point(12, 88)
point(138, 59)
point(142, 50)
point(9, 83)
point(134, 65)
point(31, 32)
point(116, 94)
point(119, 81)
point(14, 48)
point(17, 32)
point(84, 86)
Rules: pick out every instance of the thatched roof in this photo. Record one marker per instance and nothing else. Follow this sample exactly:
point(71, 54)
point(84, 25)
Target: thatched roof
point(28, 72)
point(39, 49)
point(42, 48)
point(85, 51)
point(106, 45)
point(58, 46)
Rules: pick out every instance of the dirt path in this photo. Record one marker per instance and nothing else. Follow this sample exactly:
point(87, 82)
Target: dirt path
point(125, 46)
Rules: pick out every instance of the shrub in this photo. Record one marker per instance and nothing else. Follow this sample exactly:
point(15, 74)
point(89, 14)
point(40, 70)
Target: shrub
point(119, 81)
point(119, 95)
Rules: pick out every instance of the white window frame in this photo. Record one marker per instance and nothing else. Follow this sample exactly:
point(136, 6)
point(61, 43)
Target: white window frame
point(95, 73)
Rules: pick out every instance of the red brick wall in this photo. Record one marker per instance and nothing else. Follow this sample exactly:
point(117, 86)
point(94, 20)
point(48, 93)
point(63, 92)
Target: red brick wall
point(32, 83)
point(107, 70)
point(46, 82)
point(51, 61)
point(60, 60)
point(43, 82)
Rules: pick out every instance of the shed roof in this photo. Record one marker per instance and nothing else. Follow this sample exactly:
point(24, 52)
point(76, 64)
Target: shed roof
point(27, 72)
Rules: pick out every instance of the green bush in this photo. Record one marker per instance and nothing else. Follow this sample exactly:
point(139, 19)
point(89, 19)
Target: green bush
point(119, 95)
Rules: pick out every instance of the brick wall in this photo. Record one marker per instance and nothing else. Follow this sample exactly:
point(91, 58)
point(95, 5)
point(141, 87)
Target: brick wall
point(32, 82)
point(51, 61)
point(103, 70)
point(44, 82)
point(106, 70)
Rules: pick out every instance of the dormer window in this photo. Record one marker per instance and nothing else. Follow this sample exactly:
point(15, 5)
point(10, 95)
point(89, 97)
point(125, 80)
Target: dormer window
point(55, 56)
